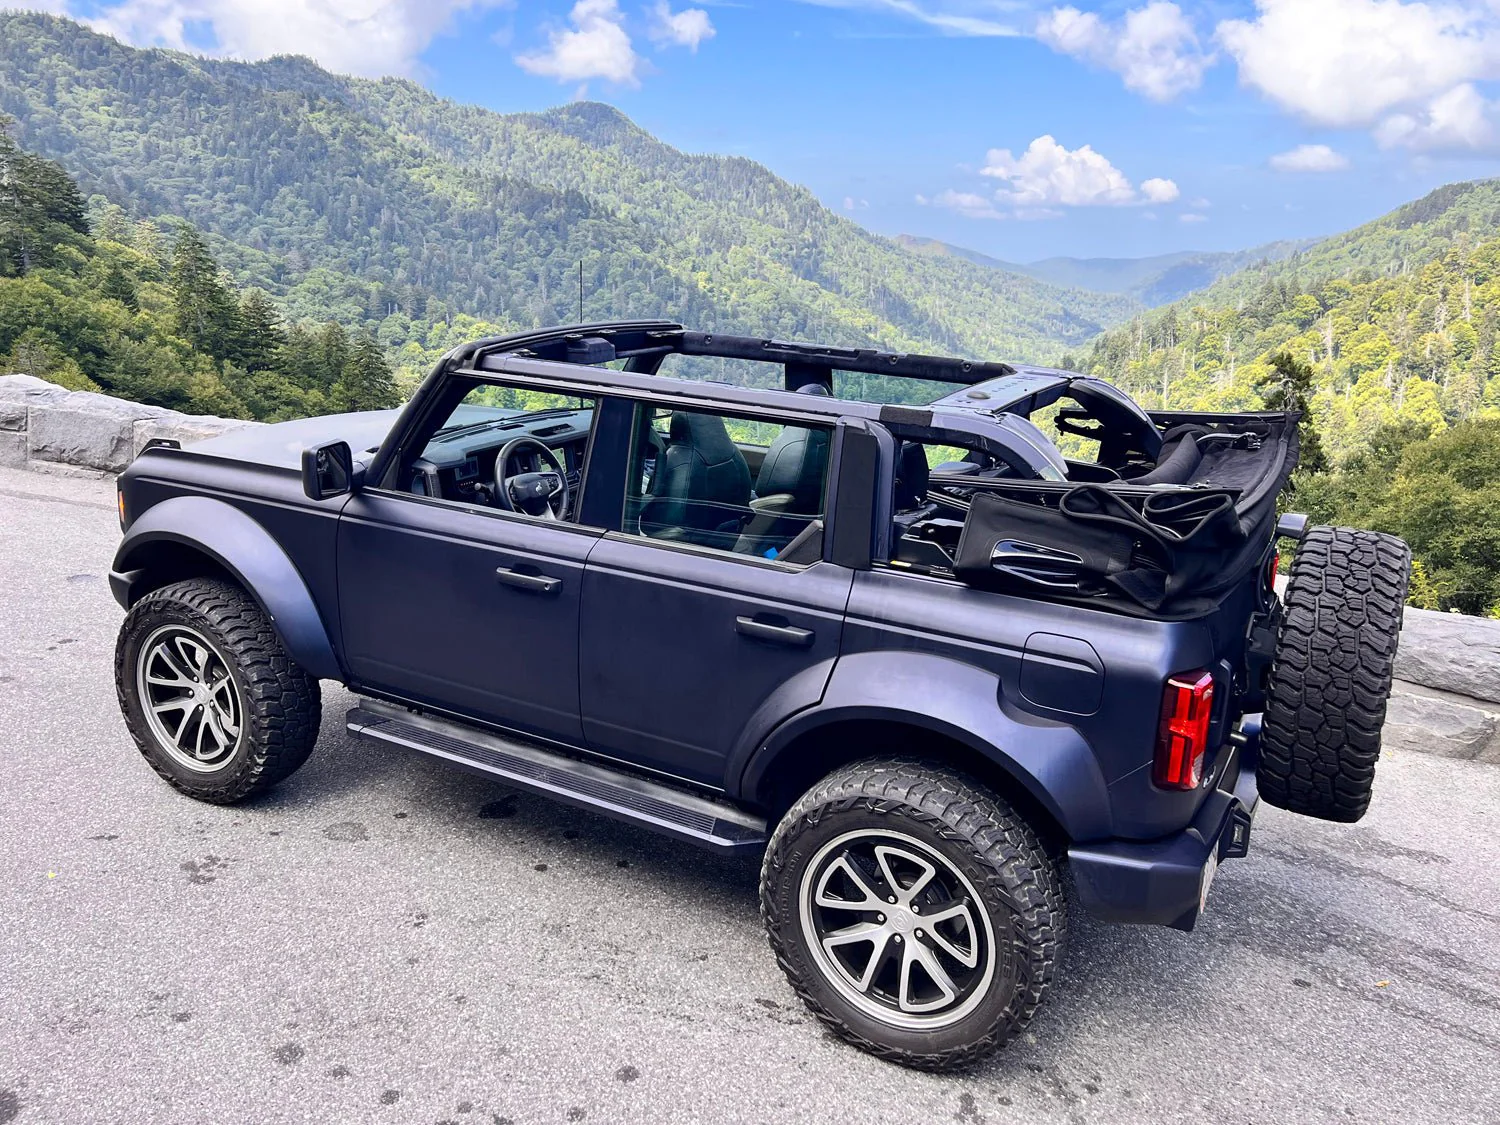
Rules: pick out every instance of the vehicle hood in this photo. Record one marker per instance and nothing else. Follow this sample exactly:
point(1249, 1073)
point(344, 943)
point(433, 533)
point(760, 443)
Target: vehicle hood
point(281, 443)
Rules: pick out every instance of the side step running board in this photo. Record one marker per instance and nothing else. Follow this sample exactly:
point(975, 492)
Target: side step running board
point(526, 765)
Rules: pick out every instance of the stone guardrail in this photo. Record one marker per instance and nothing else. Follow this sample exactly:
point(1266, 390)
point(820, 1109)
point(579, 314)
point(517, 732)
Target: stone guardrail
point(43, 426)
point(1446, 699)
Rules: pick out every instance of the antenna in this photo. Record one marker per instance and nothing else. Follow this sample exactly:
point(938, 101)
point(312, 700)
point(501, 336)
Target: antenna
point(580, 290)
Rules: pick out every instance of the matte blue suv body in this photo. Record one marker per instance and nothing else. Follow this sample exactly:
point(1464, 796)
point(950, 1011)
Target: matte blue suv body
point(706, 608)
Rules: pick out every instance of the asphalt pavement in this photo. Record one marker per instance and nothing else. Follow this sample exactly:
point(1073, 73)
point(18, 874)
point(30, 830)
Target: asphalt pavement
point(385, 939)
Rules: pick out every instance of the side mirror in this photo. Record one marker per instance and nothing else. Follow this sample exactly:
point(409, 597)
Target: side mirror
point(328, 470)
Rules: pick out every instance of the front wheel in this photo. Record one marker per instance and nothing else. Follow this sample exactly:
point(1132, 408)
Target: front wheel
point(914, 912)
point(212, 699)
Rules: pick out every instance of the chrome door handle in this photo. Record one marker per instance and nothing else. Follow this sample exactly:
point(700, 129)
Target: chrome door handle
point(536, 583)
point(776, 634)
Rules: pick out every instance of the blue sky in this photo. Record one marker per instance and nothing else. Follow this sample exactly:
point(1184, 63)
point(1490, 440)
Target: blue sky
point(1022, 129)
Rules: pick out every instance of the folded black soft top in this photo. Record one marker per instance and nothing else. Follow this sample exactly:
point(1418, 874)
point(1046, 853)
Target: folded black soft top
point(1171, 541)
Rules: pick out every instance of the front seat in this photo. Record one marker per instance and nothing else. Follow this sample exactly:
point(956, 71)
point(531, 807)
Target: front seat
point(701, 490)
point(909, 494)
point(789, 487)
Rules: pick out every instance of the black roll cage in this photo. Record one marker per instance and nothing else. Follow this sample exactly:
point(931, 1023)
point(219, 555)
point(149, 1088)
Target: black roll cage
point(566, 358)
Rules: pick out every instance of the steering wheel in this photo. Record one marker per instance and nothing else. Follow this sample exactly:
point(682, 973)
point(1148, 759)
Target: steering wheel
point(541, 494)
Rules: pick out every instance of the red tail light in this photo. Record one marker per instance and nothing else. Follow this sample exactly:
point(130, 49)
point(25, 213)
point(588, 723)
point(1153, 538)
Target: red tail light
point(1186, 706)
point(1273, 570)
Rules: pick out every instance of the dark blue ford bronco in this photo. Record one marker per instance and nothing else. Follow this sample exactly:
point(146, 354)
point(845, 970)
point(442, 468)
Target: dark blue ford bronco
point(946, 671)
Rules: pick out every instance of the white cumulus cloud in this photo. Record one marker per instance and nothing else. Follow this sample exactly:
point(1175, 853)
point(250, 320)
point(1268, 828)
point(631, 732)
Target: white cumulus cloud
point(686, 28)
point(1345, 63)
point(1159, 191)
point(967, 203)
point(365, 37)
point(1154, 49)
point(1049, 175)
point(1458, 120)
point(1309, 158)
point(596, 46)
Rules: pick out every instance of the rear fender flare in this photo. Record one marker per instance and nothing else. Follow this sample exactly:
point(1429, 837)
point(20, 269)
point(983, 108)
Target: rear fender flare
point(241, 546)
point(1049, 759)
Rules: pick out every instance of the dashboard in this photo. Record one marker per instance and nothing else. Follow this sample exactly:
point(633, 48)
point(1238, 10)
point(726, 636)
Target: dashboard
point(460, 465)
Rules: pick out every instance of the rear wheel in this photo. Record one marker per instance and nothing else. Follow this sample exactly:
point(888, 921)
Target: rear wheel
point(1335, 659)
point(211, 698)
point(914, 912)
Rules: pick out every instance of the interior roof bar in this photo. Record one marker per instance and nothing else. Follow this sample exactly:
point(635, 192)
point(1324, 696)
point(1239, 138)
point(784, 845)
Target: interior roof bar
point(808, 361)
point(936, 369)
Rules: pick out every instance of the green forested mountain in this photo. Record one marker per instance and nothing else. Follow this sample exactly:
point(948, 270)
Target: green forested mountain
point(1397, 318)
point(1391, 329)
point(93, 301)
point(381, 205)
point(270, 240)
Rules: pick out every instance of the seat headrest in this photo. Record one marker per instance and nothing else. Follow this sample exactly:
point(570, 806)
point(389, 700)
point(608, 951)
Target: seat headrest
point(813, 389)
point(703, 432)
point(912, 476)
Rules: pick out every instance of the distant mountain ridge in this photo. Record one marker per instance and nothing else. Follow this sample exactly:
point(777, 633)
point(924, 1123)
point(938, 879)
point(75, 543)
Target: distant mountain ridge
point(1155, 280)
point(378, 204)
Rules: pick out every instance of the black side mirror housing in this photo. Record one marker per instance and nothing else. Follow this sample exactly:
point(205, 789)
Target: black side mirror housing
point(328, 470)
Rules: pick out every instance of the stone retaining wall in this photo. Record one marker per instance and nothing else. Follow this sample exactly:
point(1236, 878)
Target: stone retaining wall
point(1447, 695)
point(43, 426)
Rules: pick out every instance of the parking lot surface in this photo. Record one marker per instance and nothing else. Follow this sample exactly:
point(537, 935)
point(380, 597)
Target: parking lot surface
point(385, 939)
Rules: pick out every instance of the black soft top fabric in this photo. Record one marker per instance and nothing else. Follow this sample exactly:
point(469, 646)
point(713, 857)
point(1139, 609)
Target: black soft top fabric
point(1156, 550)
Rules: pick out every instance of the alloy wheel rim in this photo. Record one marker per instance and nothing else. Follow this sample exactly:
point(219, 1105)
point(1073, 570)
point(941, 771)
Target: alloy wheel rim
point(189, 698)
point(897, 929)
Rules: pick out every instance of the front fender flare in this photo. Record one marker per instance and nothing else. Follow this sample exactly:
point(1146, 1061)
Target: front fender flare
point(245, 549)
point(1049, 759)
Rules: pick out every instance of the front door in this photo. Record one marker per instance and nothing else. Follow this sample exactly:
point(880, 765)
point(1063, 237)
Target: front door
point(712, 598)
point(461, 591)
point(464, 610)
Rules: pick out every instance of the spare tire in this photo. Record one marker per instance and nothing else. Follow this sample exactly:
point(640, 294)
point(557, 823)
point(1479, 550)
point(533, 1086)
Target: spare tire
point(1331, 674)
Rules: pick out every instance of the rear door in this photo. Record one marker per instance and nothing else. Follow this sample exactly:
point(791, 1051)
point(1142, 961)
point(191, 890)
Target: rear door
point(681, 642)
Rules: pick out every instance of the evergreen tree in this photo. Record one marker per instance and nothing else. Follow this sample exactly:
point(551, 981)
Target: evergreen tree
point(298, 358)
point(111, 223)
point(40, 207)
point(258, 336)
point(117, 287)
point(205, 310)
point(367, 382)
point(1289, 386)
point(331, 349)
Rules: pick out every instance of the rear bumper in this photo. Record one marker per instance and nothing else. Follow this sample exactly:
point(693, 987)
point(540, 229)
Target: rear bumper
point(1165, 882)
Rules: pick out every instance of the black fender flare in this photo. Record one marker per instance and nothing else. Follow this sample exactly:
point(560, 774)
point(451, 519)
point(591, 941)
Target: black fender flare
point(1051, 760)
point(245, 549)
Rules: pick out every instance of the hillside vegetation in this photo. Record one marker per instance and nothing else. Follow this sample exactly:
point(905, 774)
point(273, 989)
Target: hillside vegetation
point(1398, 320)
point(380, 205)
point(98, 302)
point(1395, 324)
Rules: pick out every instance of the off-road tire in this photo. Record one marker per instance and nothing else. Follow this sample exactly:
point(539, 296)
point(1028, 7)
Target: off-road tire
point(1331, 675)
point(993, 846)
point(280, 703)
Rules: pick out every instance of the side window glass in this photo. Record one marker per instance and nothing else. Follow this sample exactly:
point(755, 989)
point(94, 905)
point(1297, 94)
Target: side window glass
point(510, 449)
point(739, 485)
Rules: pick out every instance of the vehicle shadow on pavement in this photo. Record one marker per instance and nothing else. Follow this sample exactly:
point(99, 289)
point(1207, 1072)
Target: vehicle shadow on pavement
point(432, 791)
